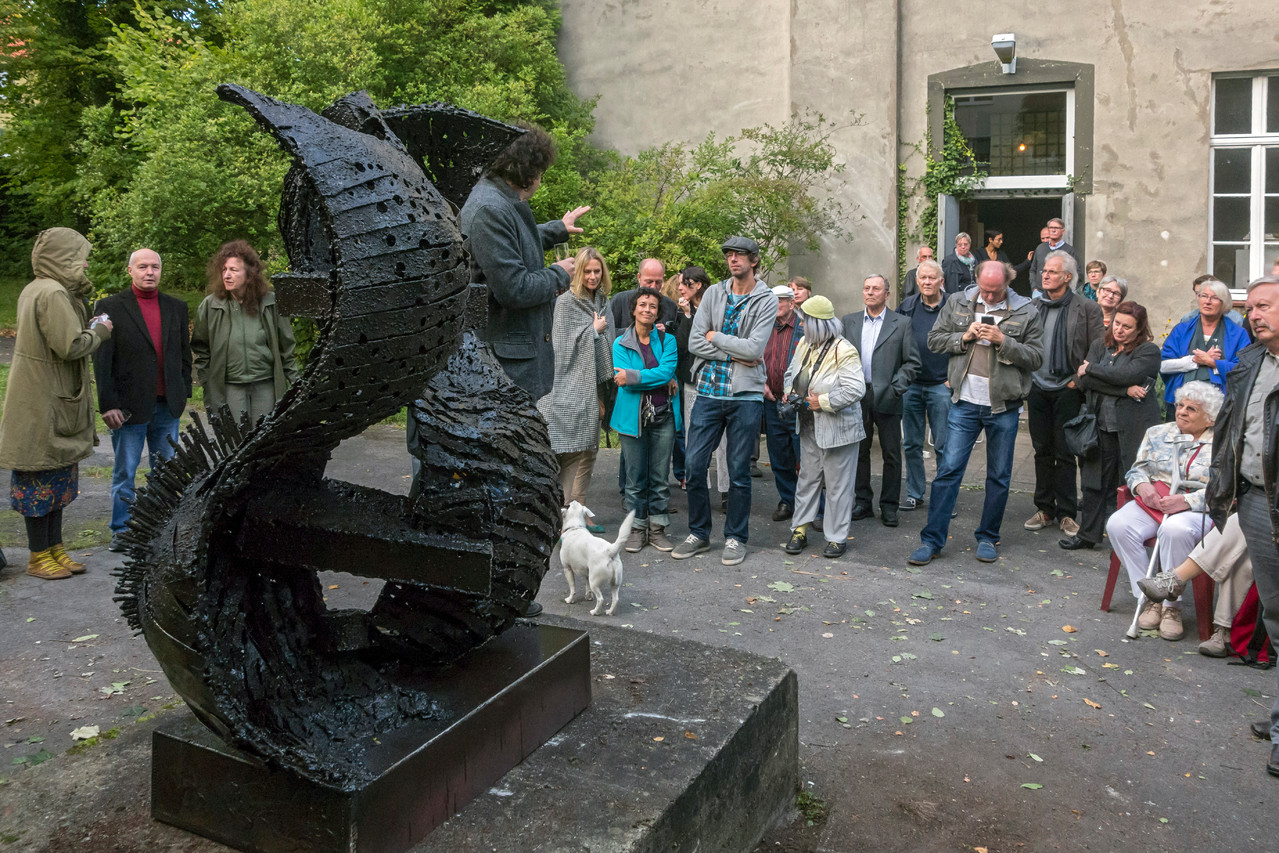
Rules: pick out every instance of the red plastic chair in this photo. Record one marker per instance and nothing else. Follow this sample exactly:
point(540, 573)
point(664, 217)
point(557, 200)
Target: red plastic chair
point(1202, 585)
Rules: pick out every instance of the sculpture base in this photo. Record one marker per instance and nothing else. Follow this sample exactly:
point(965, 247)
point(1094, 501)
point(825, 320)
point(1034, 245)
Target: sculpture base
point(506, 699)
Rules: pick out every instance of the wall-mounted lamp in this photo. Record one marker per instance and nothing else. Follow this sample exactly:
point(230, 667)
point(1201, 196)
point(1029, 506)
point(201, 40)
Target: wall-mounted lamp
point(1005, 47)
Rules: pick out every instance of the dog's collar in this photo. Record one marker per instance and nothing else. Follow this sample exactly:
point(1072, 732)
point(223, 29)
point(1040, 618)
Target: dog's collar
point(575, 527)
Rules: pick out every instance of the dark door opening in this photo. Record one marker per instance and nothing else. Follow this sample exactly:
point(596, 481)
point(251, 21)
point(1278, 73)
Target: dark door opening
point(1019, 218)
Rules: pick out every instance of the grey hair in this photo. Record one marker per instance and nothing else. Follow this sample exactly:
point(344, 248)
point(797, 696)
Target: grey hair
point(1219, 290)
point(1068, 263)
point(818, 332)
point(932, 265)
point(1265, 279)
point(965, 235)
point(144, 249)
point(1205, 394)
point(1121, 283)
point(879, 276)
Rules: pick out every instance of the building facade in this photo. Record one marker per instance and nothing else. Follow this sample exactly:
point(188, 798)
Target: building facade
point(1153, 130)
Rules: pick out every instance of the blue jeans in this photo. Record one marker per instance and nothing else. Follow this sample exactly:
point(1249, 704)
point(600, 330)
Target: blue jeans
point(127, 442)
point(710, 419)
point(648, 464)
point(921, 400)
point(965, 423)
point(783, 452)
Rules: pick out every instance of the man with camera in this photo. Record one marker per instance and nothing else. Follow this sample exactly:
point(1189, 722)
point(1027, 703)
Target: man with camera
point(995, 340)
point(889, 363)
point(783, 441)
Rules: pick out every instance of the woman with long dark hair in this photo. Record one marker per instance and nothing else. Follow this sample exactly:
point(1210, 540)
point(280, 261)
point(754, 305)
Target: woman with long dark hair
point(1118, 378)
point(242, 347)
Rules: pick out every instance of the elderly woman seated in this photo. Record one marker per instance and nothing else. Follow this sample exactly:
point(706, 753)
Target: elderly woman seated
point(1168, 479)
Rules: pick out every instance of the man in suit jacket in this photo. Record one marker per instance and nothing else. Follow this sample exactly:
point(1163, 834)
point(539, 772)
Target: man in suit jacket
point(889, 363)
point(144, 377)
point(1056, 243)
point(911, 286)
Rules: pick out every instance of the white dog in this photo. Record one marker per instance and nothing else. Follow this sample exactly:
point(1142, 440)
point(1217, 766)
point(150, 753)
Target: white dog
point(590, 559)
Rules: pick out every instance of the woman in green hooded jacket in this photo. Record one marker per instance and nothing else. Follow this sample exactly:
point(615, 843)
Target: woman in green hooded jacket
point(47, 426)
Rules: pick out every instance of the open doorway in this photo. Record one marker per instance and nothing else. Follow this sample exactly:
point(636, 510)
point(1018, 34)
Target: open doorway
point(1019, 218)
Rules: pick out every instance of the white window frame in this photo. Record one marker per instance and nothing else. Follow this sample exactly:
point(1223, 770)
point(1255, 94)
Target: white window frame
point(1256, 141)
point(1031, 182)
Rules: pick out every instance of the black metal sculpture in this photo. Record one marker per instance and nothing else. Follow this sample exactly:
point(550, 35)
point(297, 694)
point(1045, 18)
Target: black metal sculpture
point(227, 537)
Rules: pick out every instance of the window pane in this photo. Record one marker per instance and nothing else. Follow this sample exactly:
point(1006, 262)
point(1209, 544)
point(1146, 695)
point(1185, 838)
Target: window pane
point(1226, 260)
point(1272, 105)
point(1230, 219)
point(1232, 171)
point(1272, 168)
point(1017, 134)
point(1272, 218)
point(1233, 107)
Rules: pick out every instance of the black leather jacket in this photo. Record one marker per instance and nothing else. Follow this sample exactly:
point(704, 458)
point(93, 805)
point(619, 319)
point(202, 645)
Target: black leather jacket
point(1227, 444)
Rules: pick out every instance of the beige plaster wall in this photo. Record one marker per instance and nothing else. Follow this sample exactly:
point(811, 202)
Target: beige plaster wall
point(666, 70)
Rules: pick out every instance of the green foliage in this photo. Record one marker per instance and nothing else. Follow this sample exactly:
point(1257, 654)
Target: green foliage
point(678, 203)
point(955, 171)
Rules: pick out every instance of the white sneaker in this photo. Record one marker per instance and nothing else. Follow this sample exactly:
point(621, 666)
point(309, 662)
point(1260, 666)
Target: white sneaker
point(734, 552)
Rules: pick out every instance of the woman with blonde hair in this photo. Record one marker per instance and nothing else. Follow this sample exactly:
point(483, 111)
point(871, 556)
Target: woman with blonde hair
point(242, 347)
point(582, 337)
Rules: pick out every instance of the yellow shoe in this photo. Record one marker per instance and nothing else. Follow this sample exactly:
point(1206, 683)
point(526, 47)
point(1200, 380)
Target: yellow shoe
point(64, 559)
point(43, 565)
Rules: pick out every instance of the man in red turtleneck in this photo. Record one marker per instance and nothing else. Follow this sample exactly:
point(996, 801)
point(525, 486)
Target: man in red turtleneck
point(144, 378)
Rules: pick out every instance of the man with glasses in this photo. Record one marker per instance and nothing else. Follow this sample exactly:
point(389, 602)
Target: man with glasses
point(1071, 324)
point(1056, 243)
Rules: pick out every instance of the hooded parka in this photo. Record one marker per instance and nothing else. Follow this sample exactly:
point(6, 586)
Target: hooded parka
point(48, 406)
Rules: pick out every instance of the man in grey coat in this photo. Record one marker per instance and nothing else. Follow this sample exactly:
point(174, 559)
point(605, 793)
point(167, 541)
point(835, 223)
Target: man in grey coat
point(509, 252)
point(1056, 243)
point(889, 363)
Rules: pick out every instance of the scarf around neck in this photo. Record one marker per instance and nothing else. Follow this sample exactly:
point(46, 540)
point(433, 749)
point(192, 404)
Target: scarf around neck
point(1059, 346)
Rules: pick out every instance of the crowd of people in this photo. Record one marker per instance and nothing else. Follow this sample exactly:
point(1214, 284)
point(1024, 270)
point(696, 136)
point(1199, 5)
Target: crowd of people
point(687, 370)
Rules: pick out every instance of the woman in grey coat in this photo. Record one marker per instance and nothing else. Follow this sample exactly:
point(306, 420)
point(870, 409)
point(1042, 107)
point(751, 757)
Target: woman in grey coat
point(582, 336)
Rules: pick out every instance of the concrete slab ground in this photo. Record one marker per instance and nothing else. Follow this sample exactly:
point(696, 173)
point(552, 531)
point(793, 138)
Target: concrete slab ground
point(942, 708)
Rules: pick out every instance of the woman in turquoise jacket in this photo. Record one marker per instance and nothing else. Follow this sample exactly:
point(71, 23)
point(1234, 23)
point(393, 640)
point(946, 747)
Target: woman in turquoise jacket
point(644, 360)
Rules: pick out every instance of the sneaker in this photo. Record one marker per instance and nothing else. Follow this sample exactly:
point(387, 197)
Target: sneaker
point(755, 472)
point(595, 528)
point(1038, 521)
point(117, 542)
point(1170, 625)
point(922, 556)
point(734, 552)
point(798, 542)
point(910, 504)
point(1069, 526)
point(1151, 614)
point(691, 547)
point(835, 550)
point(637, 540)
point(657, 538)
point(1218, 645)
point(986, 552)
point(1163, 586)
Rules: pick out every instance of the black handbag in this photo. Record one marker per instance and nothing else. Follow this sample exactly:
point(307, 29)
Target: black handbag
point(1081, 433)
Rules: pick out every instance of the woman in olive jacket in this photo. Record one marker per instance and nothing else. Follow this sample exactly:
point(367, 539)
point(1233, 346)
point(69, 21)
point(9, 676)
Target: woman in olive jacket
point(47, 426)
point(1118, 375)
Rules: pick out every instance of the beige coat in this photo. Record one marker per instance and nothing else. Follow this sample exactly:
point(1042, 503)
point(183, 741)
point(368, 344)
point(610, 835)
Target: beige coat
point(48, 407)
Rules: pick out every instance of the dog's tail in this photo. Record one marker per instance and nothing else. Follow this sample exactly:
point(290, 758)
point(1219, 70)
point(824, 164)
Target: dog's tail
point(616, 547)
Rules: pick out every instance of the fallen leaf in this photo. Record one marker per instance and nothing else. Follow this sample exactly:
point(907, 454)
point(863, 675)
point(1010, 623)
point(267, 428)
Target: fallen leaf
point(907, 720)
point(938, 712)
point(781, 586)
point(1091, 704)
point(924, 594)
point(1150, 753)
point(1100, 653)
point(86, 638)
point(842, 719)
point(1069, 629)
point(936, 638)
point(85, 732)
point(1073, 670)
point(827, 635)
point(1034, 786)
point(690, 735)
point(333, 586)
point(1036, 758)
point(659, 739)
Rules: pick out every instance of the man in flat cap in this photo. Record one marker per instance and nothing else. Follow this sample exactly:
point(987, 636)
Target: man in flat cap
point(730, 332)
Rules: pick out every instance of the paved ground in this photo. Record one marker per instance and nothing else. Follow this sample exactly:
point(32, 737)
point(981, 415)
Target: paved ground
point(943, 708)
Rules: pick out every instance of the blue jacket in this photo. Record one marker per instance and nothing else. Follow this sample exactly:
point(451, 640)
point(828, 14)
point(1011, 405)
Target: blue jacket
point(627, 356)
point(1178, 345)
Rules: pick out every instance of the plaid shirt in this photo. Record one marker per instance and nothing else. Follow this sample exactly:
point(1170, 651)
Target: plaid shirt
point(716, 378)
point(781, 349)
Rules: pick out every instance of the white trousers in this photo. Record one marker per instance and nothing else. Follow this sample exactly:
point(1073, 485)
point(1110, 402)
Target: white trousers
point(1131, 526)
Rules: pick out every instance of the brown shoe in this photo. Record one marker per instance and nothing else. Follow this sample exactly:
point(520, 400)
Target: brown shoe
point(42, 565)
point(1170, 625)
point(657, 538)
point(637, 540)
point(1069, 527)
point(1038, 521)
point(64, 559)
point(1151, 614)
point(1218, 645)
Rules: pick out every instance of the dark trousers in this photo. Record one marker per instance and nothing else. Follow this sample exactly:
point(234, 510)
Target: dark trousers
point(1254, 520)
point(890, 447)
point(1100, 476)
point(1056, 486)
point(783, 455)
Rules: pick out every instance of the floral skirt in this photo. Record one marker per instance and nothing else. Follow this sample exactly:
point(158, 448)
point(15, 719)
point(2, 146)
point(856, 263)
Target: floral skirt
point(38, 493)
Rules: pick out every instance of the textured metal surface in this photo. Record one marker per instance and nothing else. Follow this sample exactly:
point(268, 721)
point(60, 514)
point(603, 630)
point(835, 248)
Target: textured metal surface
point(220, 576)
